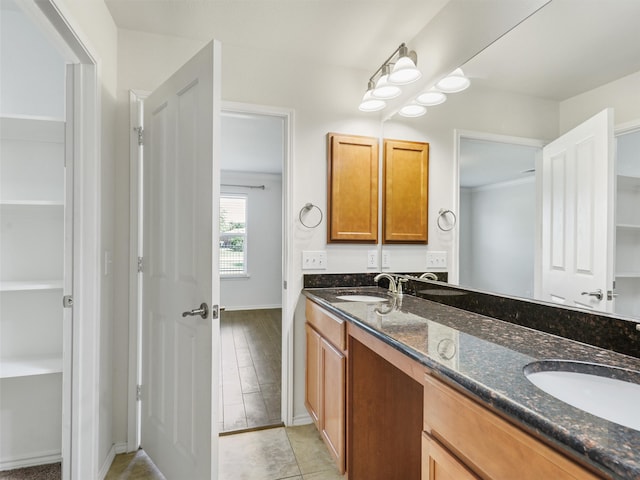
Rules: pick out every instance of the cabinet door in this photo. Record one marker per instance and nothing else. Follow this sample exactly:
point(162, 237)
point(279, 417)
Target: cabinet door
point(313, 373)
point(439, 464)
point(406, 192)
point(352, 182)
point(332, 419)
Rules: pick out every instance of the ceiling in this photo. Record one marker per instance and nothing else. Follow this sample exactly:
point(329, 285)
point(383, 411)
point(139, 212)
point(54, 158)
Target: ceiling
point(263, 154)
point(484, 163)
point(351, 33)
point(568, 47)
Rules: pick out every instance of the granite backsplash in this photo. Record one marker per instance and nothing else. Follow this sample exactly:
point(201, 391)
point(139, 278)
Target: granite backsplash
point(601, 330)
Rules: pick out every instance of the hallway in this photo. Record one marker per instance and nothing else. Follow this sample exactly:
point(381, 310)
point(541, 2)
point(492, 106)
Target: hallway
point(250, 369)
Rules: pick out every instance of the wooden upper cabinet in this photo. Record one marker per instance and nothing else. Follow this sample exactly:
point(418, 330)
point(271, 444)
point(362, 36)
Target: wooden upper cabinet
point(352, 196)
point(406, 192)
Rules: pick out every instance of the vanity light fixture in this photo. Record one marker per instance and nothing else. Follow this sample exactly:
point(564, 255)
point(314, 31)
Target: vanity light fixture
point(369, 103)
point(412, 110)
point(405, 70)
point(431, 98)
point(454, 82)
point(399, 69)
point(384, 89)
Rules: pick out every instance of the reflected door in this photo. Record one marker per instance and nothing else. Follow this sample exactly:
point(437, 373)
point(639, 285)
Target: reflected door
point(577, 216)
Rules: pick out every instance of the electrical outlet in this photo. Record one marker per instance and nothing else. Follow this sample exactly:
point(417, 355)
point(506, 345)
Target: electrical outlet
point(386, 259)
point(372, 259)
point(314, 260)
point(436, 260)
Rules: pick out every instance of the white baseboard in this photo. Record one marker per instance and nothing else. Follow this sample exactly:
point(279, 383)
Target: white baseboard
point(116, 448)
point(304, 419)
point(251, 307)
point(35, 459)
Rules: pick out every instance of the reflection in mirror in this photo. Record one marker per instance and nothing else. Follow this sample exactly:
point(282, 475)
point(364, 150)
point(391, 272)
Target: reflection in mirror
point(497, 216)
point(537, 87)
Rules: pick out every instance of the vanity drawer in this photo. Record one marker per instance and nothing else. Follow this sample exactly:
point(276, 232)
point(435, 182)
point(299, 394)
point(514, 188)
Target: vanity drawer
point(330, 327)
point(487, 444)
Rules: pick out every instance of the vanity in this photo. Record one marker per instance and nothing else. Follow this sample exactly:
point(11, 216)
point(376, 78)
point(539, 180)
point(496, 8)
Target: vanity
point(409, 388)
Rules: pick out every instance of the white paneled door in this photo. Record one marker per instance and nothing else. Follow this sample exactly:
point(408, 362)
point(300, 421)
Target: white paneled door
point(181, 191)
point(577, 216)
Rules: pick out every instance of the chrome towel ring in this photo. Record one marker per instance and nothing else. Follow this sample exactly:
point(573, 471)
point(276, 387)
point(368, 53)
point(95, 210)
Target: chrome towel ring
point(306, 209)
point(442, 215)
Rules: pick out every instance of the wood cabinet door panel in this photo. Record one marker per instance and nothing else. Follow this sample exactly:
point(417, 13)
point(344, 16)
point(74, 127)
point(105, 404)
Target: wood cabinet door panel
point(406, 192)
point(332, 419)
point(312, 374)
point(352, 182)
point(488, 444)
point(439, 464)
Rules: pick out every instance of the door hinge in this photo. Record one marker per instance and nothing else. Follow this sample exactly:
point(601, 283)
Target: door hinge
point(138, 393)
point(140, 131)
point(140, 265)
point(67, 301)
point(284, 284)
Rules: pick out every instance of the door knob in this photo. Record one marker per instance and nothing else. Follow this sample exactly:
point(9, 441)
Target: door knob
point(598, 294)
point(203, 311)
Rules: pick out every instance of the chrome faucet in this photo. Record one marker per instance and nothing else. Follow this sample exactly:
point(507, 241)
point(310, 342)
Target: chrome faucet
point(429, 275)
point(392, 282)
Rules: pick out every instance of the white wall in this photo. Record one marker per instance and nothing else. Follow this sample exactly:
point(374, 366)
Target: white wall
point(263, 287)
point(500, 236)
point(622, 95)
point(33, 71)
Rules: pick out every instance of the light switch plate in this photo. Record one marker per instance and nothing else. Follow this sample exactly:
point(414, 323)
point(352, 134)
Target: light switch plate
point(314, 260)
point(436, 259)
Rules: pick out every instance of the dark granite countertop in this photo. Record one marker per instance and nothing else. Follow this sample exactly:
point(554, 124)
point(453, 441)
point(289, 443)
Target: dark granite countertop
point(486, 358)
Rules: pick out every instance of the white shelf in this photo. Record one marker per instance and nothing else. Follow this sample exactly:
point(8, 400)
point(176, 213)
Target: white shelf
point(628, 226)
point(628, 275)
point(30, 285)
point(31, 203)
point(29, 366)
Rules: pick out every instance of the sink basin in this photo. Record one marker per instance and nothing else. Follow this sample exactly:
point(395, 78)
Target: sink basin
point(362, 298)
point(606, 392)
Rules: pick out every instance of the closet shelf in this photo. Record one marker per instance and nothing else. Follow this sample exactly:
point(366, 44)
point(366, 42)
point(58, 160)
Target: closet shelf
point(31, 365)
point(628, 226)
point(628, 275)
point(30, 285)
point(31, 203)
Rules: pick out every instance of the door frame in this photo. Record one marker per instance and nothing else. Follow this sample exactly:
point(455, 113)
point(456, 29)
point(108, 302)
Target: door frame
point(288, 298)
point(81, 363)
point(458, 135)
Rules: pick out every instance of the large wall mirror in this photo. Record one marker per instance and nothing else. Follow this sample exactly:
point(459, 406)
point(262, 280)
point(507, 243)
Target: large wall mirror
point(559, 67)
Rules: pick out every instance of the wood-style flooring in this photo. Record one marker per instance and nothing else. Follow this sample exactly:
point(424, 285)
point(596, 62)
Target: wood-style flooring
point(250, 369)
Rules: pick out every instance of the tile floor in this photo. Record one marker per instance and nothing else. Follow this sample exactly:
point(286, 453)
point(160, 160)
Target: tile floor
point(250, 369)
point(292, 453)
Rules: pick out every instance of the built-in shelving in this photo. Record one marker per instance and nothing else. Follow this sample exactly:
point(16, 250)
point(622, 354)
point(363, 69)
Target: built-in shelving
point(32, 365)
point(32, 232)
point(627, 274)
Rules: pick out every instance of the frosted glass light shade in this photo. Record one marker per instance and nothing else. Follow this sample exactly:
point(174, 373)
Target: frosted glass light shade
point(404, 72)
point(431, 98)
point(412, 110)
point(454, 82)
point(371, 104)
point(384, 89)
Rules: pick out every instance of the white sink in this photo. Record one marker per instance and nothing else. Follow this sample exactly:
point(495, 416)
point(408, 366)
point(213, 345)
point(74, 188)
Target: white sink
point(362, 298)
point(606, 392)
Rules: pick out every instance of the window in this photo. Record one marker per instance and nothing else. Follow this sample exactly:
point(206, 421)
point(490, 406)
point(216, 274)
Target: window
point(233, 235)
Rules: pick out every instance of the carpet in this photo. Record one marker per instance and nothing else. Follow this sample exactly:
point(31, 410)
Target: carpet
point(40, 472)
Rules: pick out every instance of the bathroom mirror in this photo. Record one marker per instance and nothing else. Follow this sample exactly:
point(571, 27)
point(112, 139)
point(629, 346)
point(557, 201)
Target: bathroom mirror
point(536, 82)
